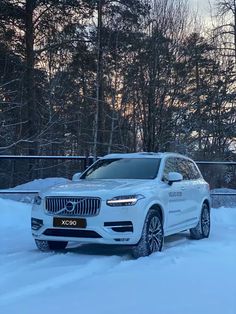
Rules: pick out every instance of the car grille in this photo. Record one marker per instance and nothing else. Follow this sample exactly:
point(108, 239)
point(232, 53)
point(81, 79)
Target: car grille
point(71, 206)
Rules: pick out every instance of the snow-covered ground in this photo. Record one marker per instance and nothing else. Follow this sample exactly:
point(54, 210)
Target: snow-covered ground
point(197, 277)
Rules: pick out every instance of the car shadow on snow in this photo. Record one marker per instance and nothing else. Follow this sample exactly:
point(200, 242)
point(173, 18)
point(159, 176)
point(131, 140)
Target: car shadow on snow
point(110, 250)
point(176, 240)
point(99, 249)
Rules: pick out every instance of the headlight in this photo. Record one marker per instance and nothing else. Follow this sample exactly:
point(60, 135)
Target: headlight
point(37, 200)
point(124, 200)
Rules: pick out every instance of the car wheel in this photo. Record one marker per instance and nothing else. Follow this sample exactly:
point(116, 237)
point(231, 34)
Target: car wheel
point(202, 230)
point(46, 246)
point(152, 236)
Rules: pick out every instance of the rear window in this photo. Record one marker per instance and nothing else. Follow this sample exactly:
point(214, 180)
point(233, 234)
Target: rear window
point(123, 168)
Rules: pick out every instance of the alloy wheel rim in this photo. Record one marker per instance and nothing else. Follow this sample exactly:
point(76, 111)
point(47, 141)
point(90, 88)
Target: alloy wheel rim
point(155, 234)
point(205, 221)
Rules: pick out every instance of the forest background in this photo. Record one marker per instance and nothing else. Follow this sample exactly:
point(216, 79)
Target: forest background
point(91, 77)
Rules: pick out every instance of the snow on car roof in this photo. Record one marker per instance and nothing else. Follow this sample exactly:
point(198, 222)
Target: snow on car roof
point(140, 155)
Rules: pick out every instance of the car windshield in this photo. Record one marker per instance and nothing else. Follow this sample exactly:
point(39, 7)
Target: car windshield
point(123, 168)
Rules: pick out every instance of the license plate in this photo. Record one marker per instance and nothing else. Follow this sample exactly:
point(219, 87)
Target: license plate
point(69, 222)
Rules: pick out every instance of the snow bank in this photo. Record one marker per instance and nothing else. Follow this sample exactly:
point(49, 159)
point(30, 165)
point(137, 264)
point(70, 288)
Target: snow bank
point(35, 185)
point(13, 215)
point(39, 184)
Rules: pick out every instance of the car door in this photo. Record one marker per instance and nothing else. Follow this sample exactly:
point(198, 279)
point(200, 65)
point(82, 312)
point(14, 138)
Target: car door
point(190, 190)
point(175, 196)
point(198, 187)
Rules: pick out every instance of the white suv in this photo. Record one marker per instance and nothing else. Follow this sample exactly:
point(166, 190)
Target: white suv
point(126, 199)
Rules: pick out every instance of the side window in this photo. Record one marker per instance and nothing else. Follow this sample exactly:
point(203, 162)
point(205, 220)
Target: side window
point(183, 168)
point(188, 169)
point(170, 166)
point(195, 174)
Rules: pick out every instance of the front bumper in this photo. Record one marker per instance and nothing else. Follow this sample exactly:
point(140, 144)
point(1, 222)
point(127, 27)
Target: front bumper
point(113, 225)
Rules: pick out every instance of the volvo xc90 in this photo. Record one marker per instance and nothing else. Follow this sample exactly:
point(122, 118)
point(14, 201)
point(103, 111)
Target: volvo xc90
point(127, 199)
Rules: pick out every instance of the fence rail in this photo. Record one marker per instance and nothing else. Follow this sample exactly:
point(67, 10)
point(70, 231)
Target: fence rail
point(45, 157)
point(223, 193)
point(92, 158)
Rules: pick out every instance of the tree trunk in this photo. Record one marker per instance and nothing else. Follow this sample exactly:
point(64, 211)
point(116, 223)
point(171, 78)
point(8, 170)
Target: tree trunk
point(97, 149)
point(31, 126)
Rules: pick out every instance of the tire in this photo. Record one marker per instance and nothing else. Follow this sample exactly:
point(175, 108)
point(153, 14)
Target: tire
point(46, 246)
point(152, 236)
point(202, 230)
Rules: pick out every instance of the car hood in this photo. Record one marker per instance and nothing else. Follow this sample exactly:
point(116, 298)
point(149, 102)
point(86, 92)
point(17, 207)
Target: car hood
point(98, 188)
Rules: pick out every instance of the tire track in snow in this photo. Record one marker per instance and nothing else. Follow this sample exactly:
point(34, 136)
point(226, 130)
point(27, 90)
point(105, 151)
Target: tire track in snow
point(96, 266)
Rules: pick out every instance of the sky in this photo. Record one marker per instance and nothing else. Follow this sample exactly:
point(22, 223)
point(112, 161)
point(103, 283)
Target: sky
point(202, 6)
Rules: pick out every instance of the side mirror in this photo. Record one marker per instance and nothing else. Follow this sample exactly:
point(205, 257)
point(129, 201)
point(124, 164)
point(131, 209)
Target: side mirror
point(76, 176)
point(174, 177)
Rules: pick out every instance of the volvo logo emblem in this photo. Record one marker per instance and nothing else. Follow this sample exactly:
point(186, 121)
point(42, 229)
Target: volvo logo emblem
point(70, 206)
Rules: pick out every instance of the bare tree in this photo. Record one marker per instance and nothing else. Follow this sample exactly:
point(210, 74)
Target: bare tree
point(225, 27)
